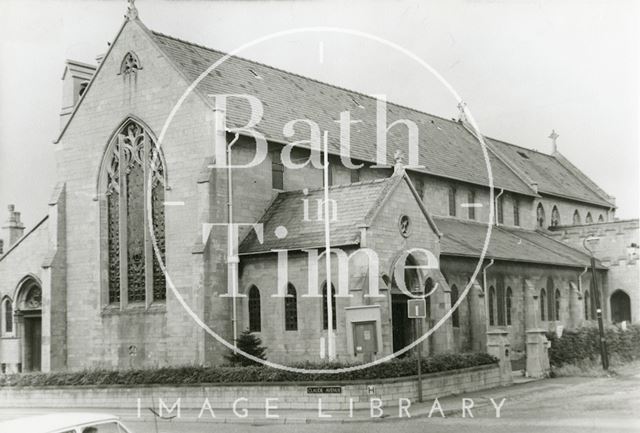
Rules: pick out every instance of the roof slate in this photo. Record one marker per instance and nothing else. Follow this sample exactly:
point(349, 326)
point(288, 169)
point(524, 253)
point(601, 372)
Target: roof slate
point(466, 238)
point(553, 177)
point(447, 149)
point(354, 203)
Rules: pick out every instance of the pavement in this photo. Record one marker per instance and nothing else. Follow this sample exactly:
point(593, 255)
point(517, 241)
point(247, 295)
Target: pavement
point(603, 404)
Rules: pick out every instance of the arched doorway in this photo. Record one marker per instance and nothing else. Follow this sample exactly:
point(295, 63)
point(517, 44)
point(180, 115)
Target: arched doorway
point(620, 307)
point(402, 329)
point(29, 315)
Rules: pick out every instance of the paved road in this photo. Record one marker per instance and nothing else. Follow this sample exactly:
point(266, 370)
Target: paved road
point(556, 405)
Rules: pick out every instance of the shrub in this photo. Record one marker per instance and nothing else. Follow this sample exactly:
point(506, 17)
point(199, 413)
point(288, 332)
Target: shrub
point(237, 374)
point(248, 343)
point(584, 344)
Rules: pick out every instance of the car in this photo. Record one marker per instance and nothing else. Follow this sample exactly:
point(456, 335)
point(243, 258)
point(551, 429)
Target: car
point(68, 422)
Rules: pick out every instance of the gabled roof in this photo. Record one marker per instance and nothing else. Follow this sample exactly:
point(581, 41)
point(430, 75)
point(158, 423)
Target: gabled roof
point(354, 203)
point(554, 174)
point(464, 238)
point(446, 148)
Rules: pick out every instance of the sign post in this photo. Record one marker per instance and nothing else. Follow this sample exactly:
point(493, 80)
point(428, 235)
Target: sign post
point(418, 311)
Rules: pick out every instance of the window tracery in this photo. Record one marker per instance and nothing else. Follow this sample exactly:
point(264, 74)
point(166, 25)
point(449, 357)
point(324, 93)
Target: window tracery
point(130, 64)
point(133, 160)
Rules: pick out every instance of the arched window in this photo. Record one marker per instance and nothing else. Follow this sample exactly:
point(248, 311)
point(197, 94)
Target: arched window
point(500, 210)
point(540, 217)
point(130, 64)
point(132, 161)
point(254, 310)
point(509, 304)
point(471, 199)
point(411, 275)
point(325, 309)
point(557, 309)
point(576, 218)
point(600, 219)
point(589, 218)
point(492, 305)
point(555, 217)
point(543, 306)
point(550, 300)
point(291, 309)
point(7, 309)
point(500, 304)
point(452, 201)
point(455, 317)
point(587, 305)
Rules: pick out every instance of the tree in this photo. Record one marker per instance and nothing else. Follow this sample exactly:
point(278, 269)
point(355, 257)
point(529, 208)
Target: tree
point(248, 343)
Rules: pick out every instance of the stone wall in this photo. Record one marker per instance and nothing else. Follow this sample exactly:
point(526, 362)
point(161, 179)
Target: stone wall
point(288, 395)
point(614, 249)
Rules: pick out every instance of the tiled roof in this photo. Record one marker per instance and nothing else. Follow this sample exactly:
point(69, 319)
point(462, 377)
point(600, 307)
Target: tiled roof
point(354, 203)
point(447, 149)
point(466, 238)
point(552, 174)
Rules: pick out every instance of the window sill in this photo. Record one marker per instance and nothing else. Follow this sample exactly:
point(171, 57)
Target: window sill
point(135, 308)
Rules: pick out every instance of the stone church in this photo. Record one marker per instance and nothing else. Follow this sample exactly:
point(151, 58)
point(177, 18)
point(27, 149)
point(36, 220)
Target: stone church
point(85, 286)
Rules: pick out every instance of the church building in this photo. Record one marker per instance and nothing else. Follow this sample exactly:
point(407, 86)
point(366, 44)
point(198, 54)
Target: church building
point(138, 194)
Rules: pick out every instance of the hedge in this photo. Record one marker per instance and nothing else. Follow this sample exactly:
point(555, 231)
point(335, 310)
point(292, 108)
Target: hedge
point(584, 343)
point(227, 374)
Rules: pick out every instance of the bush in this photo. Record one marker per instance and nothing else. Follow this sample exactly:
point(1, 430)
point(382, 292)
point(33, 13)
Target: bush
point(248, 343)
point(584, 344)
point(234, 374)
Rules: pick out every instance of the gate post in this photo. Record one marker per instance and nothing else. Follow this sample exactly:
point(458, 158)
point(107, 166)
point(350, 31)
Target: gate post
point(537, 353)
point(498, 345)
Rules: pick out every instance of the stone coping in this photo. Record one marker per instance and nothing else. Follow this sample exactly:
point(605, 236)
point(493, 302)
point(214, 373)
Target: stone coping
point(264, 384)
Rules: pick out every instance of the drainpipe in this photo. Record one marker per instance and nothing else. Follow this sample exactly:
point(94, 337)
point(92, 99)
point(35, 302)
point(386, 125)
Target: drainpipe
point(233, 259)
point(495, 207)
point(586, 268)
point(486, 296)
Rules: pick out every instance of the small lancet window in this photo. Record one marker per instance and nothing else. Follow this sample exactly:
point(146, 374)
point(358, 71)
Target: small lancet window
point(130, 64)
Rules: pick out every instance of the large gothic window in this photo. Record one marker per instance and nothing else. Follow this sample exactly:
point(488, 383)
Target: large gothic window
point(134, 168)
point(543, 300)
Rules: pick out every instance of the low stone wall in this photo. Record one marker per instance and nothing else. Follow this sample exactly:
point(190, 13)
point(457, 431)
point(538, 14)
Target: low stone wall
point(334, 395)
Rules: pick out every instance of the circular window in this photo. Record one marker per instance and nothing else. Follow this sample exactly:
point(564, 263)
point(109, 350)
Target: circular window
point(404, 225)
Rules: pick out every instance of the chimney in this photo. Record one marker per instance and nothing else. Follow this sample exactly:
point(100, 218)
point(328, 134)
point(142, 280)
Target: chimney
point(13, 229)
point(75, 79)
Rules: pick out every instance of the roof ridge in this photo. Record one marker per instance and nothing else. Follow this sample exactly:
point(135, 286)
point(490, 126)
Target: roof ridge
point(336, 186)
point(583, 178)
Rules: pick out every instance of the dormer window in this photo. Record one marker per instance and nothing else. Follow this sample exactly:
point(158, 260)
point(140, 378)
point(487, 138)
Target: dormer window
point(130, 64)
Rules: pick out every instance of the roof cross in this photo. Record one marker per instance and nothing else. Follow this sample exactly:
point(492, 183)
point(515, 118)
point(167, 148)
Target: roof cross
point(554, 137)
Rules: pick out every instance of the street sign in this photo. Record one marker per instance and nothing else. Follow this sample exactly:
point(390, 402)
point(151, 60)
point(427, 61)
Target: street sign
point(417, 308)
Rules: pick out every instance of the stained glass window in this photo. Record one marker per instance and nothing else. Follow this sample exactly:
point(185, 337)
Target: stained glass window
point(135, 235)
point(134, 160)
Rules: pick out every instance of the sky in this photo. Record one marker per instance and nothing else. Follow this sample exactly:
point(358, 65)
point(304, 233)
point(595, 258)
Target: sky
point(523, 67)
